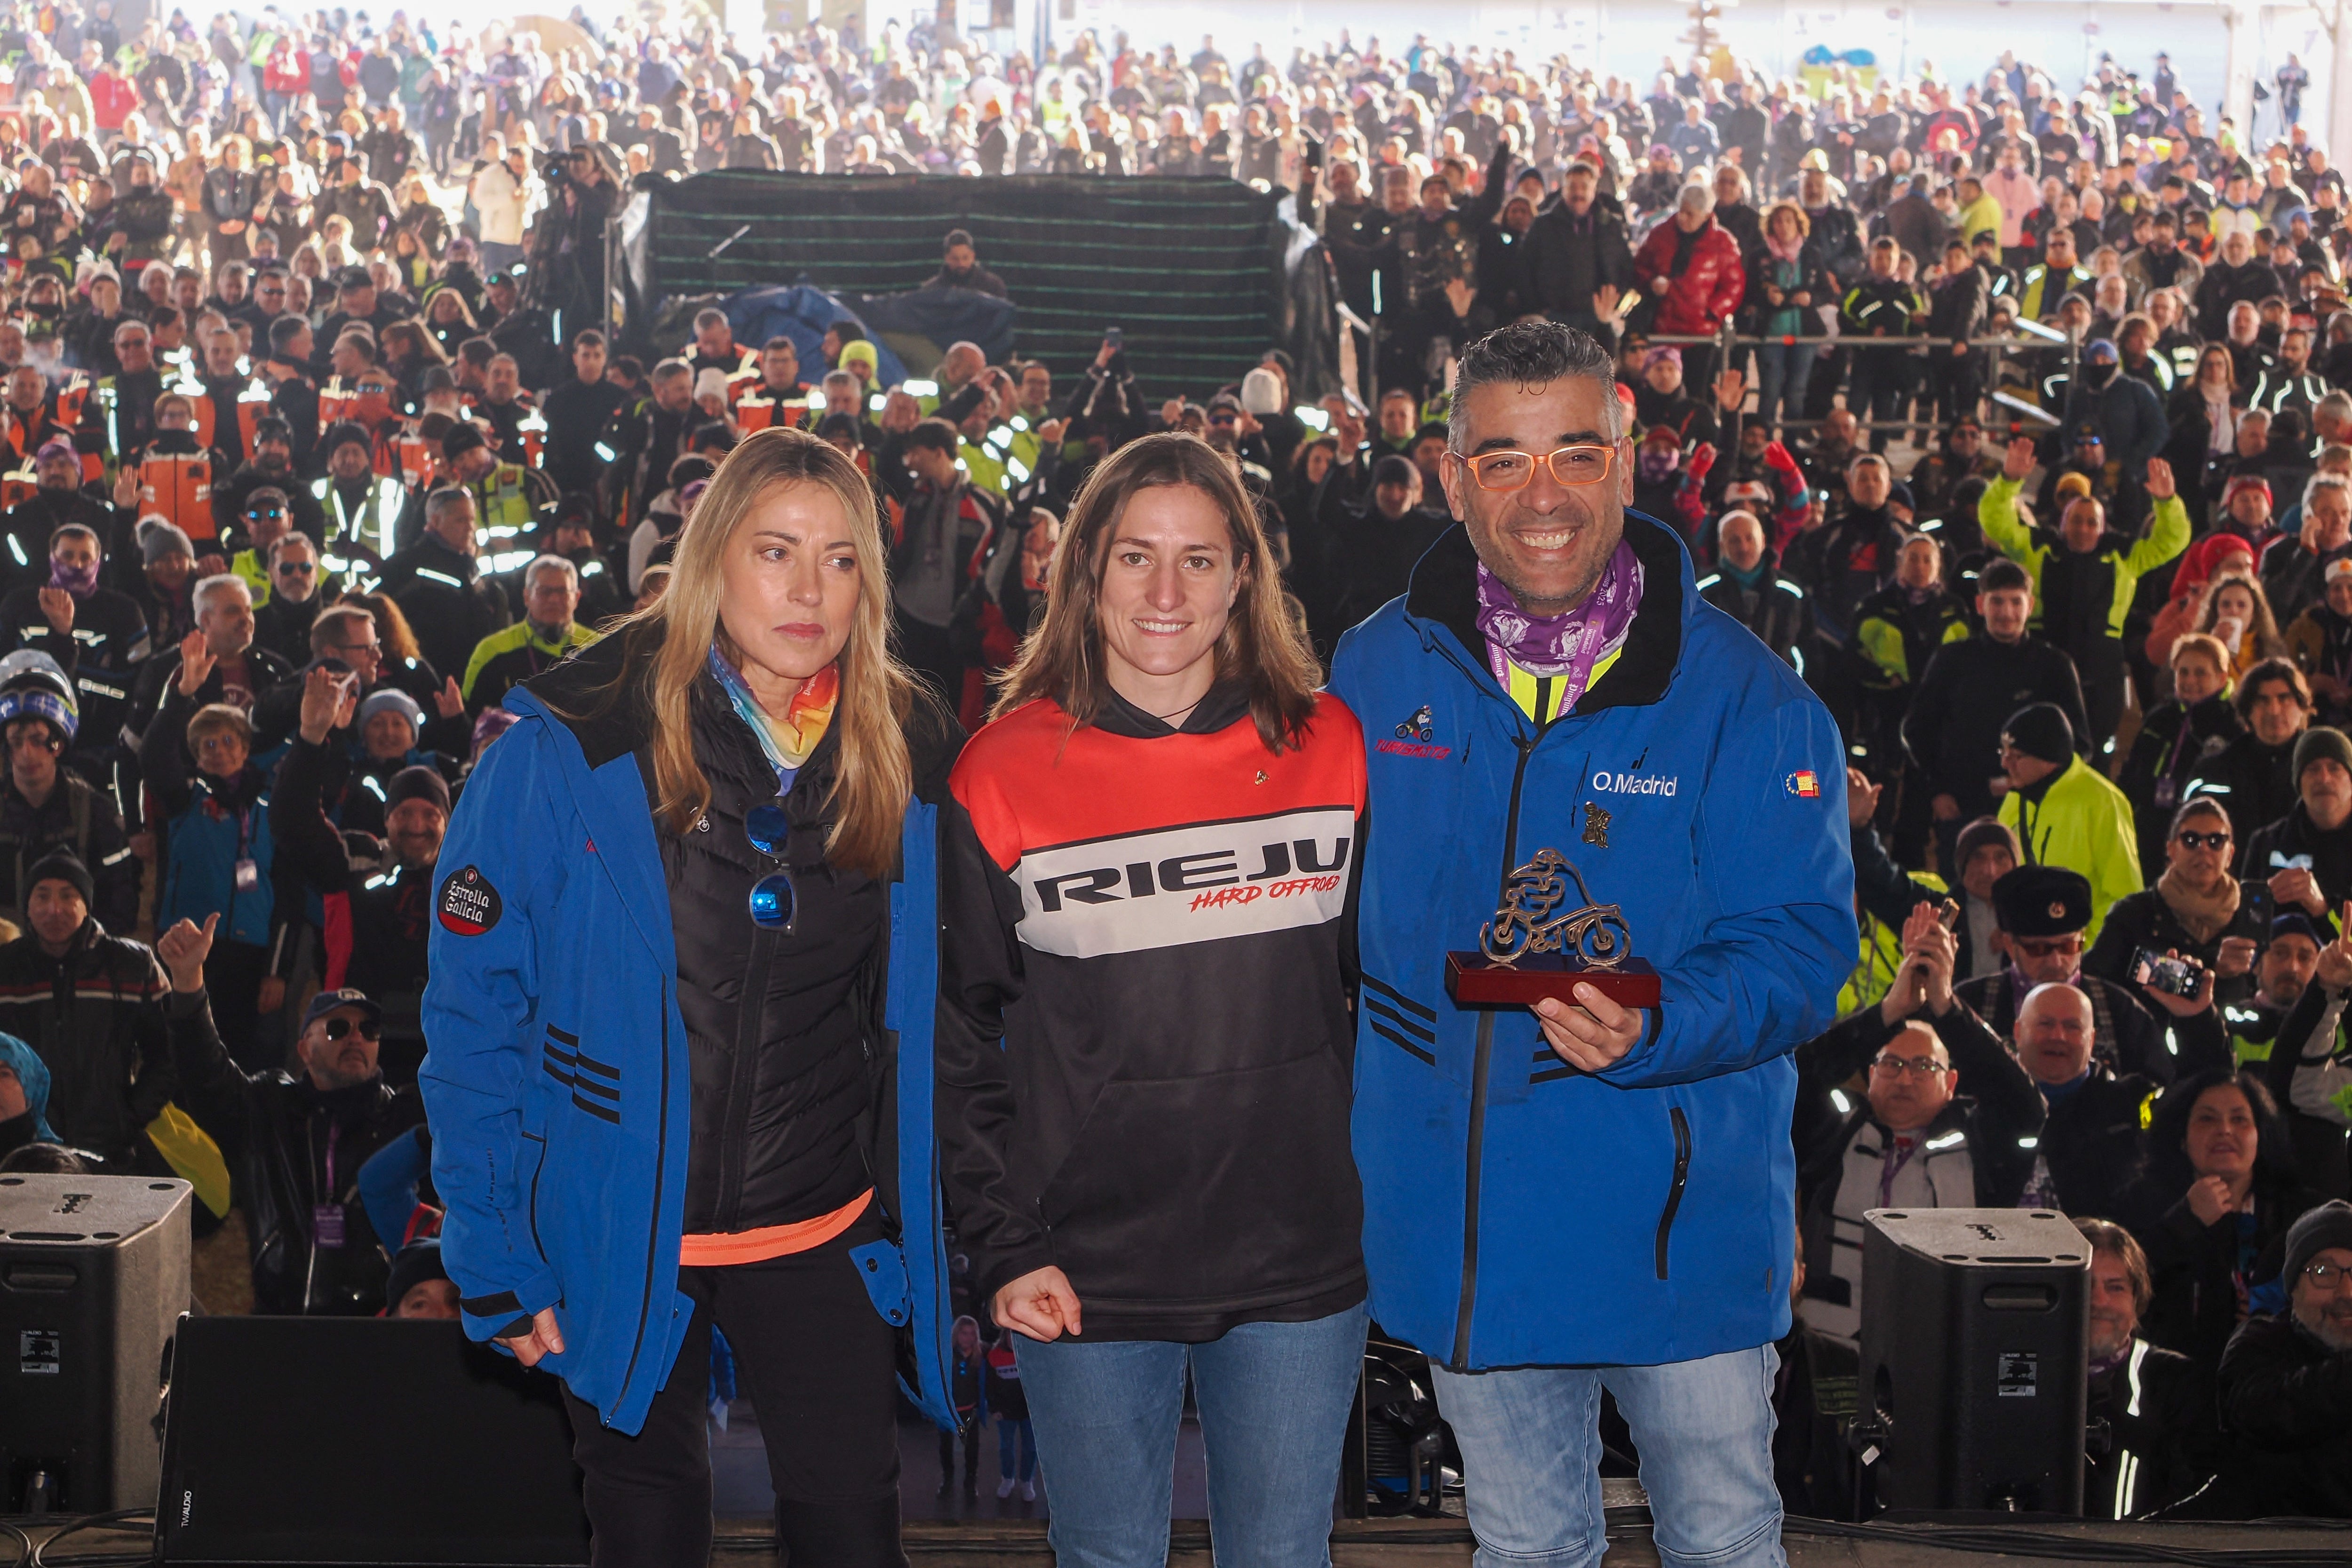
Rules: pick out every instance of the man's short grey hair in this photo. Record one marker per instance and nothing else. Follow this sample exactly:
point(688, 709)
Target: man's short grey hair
point(1533, 353)
point(213, 587)
point(539, 564)
point(444, 501)
point(2318, 483)
point(834, 378)
point(1695, 198)
point(295, 537)
point(671, 369)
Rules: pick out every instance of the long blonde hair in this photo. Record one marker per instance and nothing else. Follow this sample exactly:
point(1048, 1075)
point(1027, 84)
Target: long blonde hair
point(873, 778)
point(1261, 647)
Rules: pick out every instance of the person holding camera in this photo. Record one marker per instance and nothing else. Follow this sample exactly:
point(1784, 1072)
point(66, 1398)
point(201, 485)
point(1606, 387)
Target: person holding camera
point(2041, 913)
point(2197, 909)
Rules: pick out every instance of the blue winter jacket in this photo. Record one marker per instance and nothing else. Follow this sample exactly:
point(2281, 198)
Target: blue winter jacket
point(556, 1075)
point(1519, 1211)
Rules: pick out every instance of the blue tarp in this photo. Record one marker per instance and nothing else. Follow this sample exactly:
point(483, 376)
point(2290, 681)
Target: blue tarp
point(802, 312)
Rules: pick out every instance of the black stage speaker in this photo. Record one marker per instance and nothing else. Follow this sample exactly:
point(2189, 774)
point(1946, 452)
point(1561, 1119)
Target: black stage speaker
point(1975, 1346)
point(363, 1440)
point(93, 1274)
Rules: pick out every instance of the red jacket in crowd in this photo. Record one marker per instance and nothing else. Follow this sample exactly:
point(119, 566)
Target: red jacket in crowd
point(1709, 289)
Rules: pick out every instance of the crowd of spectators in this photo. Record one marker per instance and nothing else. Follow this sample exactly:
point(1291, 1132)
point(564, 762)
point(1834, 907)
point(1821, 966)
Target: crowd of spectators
point(2016, 414)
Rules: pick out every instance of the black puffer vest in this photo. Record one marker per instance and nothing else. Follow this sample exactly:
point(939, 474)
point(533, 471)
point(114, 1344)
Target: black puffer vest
point(777, 1025)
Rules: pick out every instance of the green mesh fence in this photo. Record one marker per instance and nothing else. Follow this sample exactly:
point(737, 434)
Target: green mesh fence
point(1190, 268)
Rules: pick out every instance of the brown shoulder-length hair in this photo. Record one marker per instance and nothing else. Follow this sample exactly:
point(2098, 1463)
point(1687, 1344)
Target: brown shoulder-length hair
point(2263, 628)
point(874, 778)
point(1261, 648)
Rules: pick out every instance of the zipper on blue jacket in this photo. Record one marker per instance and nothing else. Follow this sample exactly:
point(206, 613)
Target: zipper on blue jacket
point(1674, 1192)
point(1482, 1060)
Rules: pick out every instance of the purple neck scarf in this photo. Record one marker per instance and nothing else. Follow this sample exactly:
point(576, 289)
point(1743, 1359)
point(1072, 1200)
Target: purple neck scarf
point(1567, 645)
point(77, 581)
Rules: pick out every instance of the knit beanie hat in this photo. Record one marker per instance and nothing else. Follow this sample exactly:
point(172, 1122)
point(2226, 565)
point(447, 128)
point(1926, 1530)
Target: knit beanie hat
point(159, 537)
point(62, 865)
point(2320, 744)
point(410, 1267)
point(462, 437)
point(393, 700)
point(2041, 730)
point(2329, 1224)
point(1984, 832)
point(419, 783)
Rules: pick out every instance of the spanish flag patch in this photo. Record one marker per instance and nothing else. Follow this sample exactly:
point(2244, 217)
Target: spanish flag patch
point(1805, 783)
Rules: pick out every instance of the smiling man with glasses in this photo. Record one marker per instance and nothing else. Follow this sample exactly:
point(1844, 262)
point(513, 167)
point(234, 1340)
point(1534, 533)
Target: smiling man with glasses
point(1914, 1140)
point(304, 1136)
point(2285, 1382)
point(1551, 680)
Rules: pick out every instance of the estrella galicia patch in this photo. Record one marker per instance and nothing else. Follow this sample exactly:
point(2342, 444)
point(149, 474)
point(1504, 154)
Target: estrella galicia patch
point(469, 905)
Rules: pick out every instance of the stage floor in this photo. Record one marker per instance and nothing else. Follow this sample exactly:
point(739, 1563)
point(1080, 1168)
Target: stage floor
point(1447, 1543)
point(1017, 1542)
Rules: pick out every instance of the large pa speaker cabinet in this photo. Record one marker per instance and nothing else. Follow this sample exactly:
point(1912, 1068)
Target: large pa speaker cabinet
point(1975, 1345)
point(93, 1274)
point(363, 1440)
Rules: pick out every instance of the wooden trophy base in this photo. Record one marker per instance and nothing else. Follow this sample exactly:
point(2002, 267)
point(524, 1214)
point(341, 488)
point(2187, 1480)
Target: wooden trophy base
point(1474, 980)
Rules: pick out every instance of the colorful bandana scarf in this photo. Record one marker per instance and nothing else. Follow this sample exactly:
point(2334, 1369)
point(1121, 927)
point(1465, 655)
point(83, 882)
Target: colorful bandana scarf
point(1567, 645)
point(791, 740)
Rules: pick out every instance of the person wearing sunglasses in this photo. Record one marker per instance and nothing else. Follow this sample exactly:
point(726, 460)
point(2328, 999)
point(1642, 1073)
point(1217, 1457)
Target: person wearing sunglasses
point(2196, 909)
point(282, 622)
point(1550, 678)
point(301, 1133)
point(683, 973)
point(2041, 914)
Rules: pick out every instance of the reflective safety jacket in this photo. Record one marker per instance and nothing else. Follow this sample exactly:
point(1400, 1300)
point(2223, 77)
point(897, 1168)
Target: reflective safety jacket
point(2077, 596)
point(504, 499)
point(366, 528)
point(178, 486)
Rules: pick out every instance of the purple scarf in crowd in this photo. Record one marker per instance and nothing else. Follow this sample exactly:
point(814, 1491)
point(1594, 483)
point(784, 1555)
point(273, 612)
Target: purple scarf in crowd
point(1567, 645)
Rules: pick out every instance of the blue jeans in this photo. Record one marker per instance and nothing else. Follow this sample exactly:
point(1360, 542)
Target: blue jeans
point(1273, 1401)
point(1781, 370)
point(1531, 1452)
point(1010, 1435)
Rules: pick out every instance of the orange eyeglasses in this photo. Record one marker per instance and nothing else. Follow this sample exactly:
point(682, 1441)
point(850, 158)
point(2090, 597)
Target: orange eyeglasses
point(1511, 469)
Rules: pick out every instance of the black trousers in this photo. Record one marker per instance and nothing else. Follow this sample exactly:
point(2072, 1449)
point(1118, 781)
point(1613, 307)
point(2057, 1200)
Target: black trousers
point(820, 1365)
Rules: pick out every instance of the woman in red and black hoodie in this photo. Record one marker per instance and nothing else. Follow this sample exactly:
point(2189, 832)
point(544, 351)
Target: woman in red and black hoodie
point(1144, 1054)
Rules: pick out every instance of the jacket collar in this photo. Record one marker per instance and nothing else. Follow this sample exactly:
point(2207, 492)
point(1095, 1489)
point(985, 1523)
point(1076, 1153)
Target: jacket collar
point(609, 719)
point(1444, 596)
point(1225, 703)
